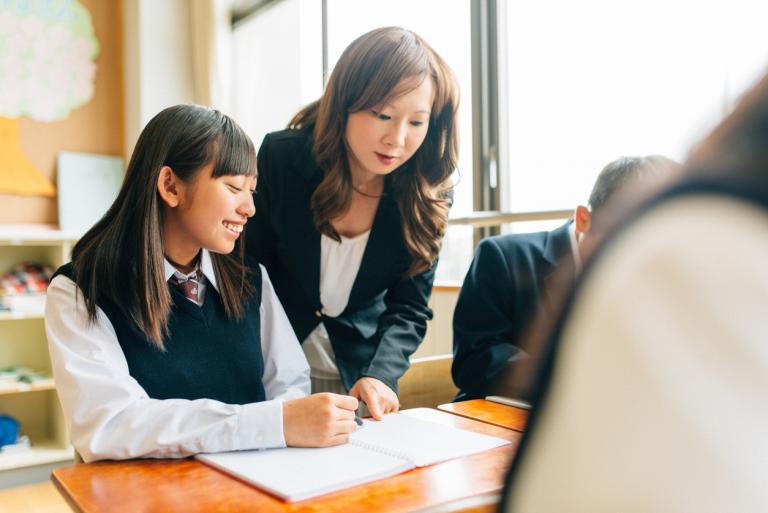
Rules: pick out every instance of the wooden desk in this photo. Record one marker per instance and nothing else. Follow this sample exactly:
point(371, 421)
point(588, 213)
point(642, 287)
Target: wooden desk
point(470, 484)
point(492, 413)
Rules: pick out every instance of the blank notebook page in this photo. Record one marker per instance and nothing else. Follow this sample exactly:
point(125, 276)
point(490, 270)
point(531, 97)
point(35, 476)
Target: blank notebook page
point(376, 450)
point(421, 441)
point(296, 473)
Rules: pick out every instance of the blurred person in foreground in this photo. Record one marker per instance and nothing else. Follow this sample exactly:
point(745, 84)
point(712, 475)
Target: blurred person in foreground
point(652, 392)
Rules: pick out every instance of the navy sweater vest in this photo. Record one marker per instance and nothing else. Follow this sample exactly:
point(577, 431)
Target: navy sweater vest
point(207, 355)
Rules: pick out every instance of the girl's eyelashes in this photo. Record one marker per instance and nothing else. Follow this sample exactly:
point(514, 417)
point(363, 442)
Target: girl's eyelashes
point(417, 123)
point(235, 188)
point(239, 182)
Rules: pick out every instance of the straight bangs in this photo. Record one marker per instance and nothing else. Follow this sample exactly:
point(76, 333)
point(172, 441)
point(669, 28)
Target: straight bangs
point(233, 152)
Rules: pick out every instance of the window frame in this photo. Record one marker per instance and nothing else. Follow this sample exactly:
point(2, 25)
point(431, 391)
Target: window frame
point(490, 147)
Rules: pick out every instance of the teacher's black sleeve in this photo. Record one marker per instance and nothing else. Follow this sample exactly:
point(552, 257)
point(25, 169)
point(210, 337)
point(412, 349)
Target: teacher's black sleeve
point(401, 327)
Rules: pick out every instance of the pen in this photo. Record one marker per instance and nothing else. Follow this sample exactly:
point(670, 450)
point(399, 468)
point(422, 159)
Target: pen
point(358, 421)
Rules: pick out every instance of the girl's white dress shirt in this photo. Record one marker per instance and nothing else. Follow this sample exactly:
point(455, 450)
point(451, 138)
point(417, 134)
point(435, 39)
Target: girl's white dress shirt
point(109, 414)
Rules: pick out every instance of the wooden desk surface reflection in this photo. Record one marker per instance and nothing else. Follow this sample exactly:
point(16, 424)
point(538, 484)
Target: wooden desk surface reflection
point(492, 413)
point(187, 485)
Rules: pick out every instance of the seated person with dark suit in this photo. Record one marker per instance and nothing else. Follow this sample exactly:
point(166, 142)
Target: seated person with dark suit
point(505, 285)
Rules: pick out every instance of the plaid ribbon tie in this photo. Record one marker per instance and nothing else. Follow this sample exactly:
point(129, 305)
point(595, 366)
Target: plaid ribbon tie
point(190, 287)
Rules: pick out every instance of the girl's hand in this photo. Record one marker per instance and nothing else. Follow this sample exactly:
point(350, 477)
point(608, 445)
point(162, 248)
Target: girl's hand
point(379, 398)
point(320, 420)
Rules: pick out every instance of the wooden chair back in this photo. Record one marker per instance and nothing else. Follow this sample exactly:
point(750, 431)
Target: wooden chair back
point(427, 383)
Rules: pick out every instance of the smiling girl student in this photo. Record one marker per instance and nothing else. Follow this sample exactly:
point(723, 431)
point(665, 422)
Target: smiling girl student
point(163, 343)
point(352, 204)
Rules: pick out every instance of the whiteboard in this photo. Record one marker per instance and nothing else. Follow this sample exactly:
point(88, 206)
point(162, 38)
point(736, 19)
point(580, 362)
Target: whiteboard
point(87, 185)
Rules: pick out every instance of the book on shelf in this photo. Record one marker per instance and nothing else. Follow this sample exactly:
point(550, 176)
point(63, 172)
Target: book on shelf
point(24, 304)
point(22, 444)
point(376, 450)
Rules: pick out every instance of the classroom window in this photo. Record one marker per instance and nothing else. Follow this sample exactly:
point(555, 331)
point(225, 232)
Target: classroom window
point(593, 80)
point(278, 58)
point(581, 83)
point(445, 25)
point(277, 65)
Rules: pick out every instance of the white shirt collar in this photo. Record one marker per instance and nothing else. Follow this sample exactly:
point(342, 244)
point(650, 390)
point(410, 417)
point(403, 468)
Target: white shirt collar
point(206, 265)
point(575, 248)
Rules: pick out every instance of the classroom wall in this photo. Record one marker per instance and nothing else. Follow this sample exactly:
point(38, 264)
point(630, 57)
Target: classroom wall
point(158, 61)
point(96, 127)
point(144, 65)
point(439, 338)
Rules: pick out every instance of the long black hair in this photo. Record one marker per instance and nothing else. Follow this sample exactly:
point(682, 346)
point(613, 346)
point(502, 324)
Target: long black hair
point(120, 259)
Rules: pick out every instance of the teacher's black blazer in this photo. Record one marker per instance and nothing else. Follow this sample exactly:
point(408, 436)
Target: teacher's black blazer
point(386, 317)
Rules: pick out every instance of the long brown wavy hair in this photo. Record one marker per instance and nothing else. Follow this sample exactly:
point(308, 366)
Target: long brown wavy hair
point(120, 259)
point(373, 69)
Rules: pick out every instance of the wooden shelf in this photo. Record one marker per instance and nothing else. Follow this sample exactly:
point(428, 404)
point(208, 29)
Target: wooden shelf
point(31, 235)
point(23, 344)
point(22, 388)
point(41, 453)
point(10, 316)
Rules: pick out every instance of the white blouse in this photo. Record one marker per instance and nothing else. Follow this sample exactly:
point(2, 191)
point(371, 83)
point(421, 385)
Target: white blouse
point(339, 265)
point(109, 414)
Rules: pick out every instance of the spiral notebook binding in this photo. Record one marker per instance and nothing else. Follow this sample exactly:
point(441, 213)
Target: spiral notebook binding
point(384, 450)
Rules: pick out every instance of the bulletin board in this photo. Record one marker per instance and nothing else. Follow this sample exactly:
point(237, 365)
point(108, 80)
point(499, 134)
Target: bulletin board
point(81, 112)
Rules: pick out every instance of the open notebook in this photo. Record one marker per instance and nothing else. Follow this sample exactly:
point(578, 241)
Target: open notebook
point(376, 450)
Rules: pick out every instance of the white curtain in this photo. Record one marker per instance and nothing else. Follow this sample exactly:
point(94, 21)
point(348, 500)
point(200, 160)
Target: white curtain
point(211, 53)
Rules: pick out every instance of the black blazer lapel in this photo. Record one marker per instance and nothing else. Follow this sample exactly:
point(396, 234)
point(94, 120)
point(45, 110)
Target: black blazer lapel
point(309, 268)
point(307, 238)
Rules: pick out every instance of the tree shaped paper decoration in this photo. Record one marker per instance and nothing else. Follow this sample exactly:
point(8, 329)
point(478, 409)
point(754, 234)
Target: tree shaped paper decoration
point(47, 69)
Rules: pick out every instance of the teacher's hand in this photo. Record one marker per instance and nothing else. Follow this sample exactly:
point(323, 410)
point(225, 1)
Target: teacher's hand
point(379, 398)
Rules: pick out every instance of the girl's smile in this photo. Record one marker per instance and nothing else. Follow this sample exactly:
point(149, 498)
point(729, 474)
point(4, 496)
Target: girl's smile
point(205, 213)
